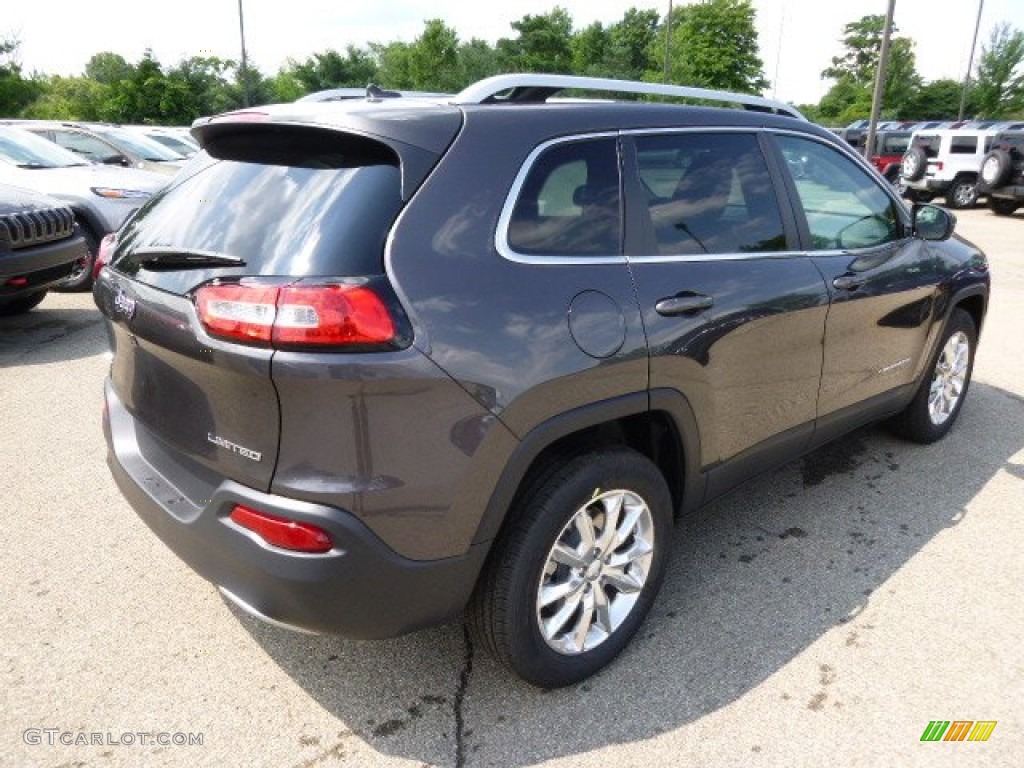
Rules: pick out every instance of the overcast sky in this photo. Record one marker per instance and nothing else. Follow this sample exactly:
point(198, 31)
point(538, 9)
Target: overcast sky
point(59, 36)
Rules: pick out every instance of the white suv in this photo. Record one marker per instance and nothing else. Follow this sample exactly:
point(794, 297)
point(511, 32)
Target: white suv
point(946, 162)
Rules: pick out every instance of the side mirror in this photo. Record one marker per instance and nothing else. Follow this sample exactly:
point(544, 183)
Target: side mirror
point(932, 223)
point(117, 160)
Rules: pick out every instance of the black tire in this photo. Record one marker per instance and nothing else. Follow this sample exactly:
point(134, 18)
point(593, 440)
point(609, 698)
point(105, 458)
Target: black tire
point(81, 278)
point(22, 304)
point(914, 164)
point(962, 193)
point(504, 613)
point(1002, 207)
point(995, 167)
point(916, 422)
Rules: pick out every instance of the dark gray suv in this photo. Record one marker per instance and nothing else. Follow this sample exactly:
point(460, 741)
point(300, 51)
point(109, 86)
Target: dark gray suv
point(377, 361)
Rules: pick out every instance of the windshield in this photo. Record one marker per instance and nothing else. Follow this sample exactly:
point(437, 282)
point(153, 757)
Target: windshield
point(140, 145)
point(21, 148)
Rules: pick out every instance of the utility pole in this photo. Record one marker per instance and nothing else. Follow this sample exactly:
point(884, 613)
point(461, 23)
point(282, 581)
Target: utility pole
point(970, 63)
point(245, 68)
point(883, 64)
point(668, 37)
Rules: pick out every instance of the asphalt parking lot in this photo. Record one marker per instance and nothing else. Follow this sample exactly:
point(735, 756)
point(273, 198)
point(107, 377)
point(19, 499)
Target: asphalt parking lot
point(823, 614)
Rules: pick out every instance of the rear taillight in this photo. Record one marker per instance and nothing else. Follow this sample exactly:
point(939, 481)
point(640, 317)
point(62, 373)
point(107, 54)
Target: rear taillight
point(239, 312)
point(297, 316)
point(283, 532)
point(103, 254)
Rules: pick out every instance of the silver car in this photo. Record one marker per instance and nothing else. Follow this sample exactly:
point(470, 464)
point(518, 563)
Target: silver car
point(100, 196)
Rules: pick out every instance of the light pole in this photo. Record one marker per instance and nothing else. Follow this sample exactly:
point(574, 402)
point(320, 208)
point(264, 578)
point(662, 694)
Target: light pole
point(668, 37)
point(970, 63)
point(245, 69)
point(883, 63)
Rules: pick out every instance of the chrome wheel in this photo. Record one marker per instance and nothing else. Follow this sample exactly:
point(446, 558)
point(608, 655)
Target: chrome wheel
point(595, 572)
point(949, 378)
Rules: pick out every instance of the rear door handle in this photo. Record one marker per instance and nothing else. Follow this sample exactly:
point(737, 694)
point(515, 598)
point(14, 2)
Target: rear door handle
point(689, 304)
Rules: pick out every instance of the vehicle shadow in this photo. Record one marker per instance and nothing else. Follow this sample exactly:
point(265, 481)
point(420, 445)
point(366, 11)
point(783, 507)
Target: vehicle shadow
point(48, 335)
point(755, 579)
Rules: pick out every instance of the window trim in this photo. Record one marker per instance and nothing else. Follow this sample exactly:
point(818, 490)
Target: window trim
point(501, 243)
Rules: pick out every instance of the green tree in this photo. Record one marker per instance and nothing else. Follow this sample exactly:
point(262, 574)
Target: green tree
point(628, 54)
point(999, 83)
point(108, 68)
point(478, 59)
point(393, 64)
point(69, 98)
point(590, 47)
point(714, 45)
point(196, 87)
point(434, 59)
point(937, 100)
point(16, 91)
point(330, 69)
point(855, 71)
point(543, 43)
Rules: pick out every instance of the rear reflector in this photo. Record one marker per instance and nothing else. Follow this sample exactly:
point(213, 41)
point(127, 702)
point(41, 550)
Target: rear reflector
point(282, 532)
point(296, 316)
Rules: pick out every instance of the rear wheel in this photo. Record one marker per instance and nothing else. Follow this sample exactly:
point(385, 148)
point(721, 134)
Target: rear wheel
point(962, 193)
point(574, 576)
point(22, 304)
point(1002, 207)
point(935, 407)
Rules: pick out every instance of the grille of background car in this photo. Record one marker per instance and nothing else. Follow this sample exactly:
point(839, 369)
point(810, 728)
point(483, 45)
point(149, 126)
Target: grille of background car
point(28, 228)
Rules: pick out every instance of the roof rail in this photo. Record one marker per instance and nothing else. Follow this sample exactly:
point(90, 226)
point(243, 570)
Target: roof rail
point(533, 88)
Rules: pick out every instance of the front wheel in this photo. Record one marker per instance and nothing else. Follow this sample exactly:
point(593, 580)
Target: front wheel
point(935, 407)
point(574, 576)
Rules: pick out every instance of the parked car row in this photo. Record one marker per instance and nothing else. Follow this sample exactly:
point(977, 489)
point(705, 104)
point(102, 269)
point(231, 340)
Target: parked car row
point(100, 196)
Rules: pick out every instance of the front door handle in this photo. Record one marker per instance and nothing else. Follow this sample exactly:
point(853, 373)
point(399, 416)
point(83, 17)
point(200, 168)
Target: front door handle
point(848, 282)
point(687, 304)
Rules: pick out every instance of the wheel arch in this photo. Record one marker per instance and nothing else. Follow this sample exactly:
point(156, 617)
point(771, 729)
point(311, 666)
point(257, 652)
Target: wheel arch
point(659, 424)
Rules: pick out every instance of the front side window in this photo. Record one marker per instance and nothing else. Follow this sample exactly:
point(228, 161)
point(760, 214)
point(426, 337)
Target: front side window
point(843, 205)
point(708, 193)
point(85, 145)
point(568, 204)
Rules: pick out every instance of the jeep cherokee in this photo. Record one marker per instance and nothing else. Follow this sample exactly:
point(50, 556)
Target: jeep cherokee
point(375, 362)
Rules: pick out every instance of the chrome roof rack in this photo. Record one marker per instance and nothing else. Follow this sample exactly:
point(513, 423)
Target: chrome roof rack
point(534, 88)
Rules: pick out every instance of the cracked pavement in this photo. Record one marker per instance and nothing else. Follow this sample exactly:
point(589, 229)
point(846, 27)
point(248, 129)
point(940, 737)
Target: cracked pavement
point(822, 614)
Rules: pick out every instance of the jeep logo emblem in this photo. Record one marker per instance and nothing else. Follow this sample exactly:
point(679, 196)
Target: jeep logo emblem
point(124, 304)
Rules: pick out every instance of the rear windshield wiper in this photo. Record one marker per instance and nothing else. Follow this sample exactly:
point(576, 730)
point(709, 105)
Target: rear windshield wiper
point(158, 258)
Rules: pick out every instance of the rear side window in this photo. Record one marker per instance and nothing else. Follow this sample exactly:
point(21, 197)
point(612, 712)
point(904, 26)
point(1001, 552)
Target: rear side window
point(963, 145)
point(708, 193)
point(302, 205)
point(569, 203)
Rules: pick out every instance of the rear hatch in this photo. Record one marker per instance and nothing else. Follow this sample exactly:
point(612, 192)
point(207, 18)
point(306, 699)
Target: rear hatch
point(269, 207)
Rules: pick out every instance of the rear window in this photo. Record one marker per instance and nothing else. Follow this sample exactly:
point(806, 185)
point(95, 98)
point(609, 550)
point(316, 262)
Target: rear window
point(930, 145)
point(316, 206)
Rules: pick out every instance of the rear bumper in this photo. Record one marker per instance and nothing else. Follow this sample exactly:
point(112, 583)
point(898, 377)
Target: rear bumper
point(361, 588)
